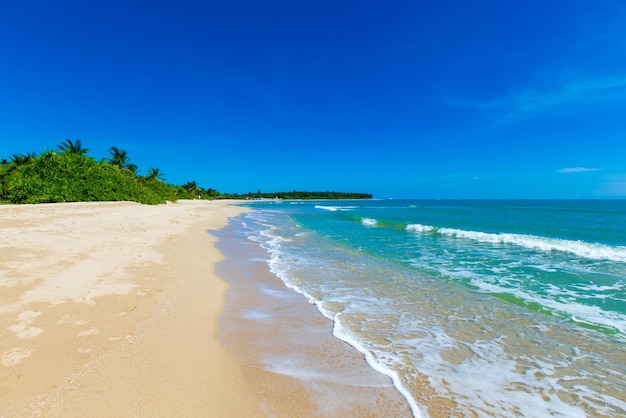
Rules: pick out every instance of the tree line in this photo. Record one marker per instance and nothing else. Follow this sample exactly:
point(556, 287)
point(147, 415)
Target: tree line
point(302, 195)
point(69, 174)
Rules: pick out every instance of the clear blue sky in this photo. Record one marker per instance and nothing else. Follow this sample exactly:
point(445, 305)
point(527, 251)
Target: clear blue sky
point(424, 99)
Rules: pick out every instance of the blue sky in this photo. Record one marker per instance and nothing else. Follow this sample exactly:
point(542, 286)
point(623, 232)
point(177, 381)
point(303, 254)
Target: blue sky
point(423, 99)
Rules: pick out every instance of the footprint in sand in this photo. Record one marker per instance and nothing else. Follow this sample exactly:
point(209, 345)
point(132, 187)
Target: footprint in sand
point(69, 319)
point(15, 355)
point(90, 331)
point(23, 329)
point(127, 310)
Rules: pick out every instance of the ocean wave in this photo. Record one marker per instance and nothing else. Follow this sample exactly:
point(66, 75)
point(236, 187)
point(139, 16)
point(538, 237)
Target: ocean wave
point(591, 251)
point(355, 300)
point(419, 228)
point(335, 208)
point(566, 307)
point(369, 221)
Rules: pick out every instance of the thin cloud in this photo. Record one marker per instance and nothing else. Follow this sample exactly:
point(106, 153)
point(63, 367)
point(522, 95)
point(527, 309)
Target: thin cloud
point(568, 97)
point(576, 170)
point(614, 186)
point(453, 176)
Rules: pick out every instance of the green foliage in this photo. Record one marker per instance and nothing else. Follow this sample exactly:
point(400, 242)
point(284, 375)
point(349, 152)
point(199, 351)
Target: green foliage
point(7, 168)
point(71, 177)
point(154, 173)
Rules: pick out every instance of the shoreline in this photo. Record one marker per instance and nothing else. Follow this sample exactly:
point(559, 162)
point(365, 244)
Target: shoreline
point(287, 348)
point(123, 309)
point(112, 309)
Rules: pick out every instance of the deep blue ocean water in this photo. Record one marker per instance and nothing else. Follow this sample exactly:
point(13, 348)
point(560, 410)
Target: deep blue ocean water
point(508, 308)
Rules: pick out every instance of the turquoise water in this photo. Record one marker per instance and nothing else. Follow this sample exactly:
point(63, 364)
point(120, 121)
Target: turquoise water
point(508, 308)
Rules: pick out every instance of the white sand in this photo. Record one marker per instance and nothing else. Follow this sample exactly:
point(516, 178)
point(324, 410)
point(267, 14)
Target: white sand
point(110, 309)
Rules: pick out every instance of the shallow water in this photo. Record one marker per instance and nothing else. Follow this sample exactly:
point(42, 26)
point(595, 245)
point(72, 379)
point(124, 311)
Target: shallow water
point(291, 360)
point(506, 308)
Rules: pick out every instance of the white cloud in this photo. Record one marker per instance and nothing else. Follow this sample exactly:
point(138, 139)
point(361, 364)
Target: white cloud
point(577, 170)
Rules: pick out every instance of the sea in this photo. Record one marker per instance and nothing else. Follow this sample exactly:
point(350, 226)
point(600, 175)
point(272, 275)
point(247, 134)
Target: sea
point(503, 308)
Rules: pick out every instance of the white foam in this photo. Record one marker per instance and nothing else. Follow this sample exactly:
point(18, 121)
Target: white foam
point(419, 228)
point(369, 222)
point(487, 381)
point(577, 312)
point(340, 333)
point(592, 251)
point(579, 248)
point(335, 208)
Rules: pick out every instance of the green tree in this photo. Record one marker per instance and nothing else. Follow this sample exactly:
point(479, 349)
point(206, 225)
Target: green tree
point(154, 173)
point(191, 188)
point(119, 157)
point(8, 168)
point(72, 147)
point(132, 169)
point(21, 159)
point(67, 177)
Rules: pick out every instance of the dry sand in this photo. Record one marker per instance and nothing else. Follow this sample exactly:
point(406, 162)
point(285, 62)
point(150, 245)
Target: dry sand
point(111, 309)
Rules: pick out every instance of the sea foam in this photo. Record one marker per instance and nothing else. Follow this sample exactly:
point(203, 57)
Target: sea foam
point(369, 222)
point(419, 228)
point(335, 208)
point(592, 251)
point(410, 324)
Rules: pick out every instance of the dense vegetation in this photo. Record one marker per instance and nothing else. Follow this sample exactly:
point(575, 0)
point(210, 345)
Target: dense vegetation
point(70, 175)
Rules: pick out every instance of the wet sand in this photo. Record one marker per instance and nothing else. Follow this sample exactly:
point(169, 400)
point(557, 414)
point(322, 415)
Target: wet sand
point(286, 348)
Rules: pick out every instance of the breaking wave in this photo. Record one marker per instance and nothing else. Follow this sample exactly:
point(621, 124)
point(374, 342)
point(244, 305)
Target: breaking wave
point(581, 249)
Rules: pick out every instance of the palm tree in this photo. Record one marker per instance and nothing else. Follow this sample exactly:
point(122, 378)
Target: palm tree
point(133, 169)
point(8, 167)
point(22, 159)
point(154, 173)
point(119, 157)
point(73, 147)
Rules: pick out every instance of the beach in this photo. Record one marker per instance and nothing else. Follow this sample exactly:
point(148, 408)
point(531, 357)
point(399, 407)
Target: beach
point(308, 309)
point(113, 309)
point(110, 309)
